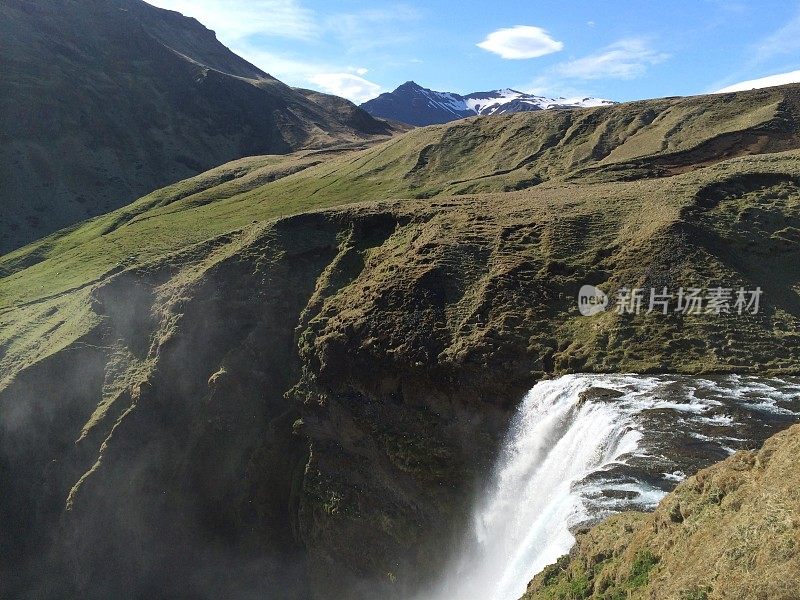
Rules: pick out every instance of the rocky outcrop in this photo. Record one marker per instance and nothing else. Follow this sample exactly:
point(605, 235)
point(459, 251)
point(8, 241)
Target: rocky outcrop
point(194, 442)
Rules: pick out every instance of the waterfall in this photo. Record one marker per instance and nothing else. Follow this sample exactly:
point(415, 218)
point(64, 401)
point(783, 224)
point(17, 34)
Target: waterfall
point(570, 458)
point(523, 525)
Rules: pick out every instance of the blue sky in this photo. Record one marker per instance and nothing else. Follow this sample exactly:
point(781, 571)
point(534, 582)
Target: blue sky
point(620, 50)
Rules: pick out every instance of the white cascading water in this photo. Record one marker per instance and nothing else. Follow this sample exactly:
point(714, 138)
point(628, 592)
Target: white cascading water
point(563, 455)
point(554, 442)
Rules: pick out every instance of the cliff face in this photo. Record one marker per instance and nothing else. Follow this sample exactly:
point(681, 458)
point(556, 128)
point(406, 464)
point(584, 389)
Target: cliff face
point(203, 436)
point(318, 394)
point(731, 531)
point(239, 384)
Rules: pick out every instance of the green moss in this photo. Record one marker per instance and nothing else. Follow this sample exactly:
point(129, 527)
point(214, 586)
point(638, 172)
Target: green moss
point(640, 570)
point(567, 586)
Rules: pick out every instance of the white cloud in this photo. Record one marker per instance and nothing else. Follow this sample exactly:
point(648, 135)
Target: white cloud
point(729, 6)
point(238, 23)
point(780, 79)
point(348, 85)
point(237, 19)
point(288, 69)
point(625, 59)
point(781, 43)
point(347, 82)
point(521, 41)
point(552, 86)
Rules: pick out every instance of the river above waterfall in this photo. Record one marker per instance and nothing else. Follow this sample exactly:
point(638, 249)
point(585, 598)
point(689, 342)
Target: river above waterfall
point(582, 447)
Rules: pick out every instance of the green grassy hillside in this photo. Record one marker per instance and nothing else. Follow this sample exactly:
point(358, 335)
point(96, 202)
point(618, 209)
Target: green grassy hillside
point(102, 101)
point(623, 142)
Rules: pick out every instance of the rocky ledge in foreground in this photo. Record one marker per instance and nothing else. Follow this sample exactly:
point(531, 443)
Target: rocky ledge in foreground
point(731, 531)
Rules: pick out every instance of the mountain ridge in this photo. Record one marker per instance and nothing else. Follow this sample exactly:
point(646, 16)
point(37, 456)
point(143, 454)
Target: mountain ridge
point(413, 104)
point(104, 101)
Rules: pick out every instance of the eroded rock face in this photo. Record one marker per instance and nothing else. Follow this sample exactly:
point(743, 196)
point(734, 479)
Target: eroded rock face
point(215, 459)
point(304, 406)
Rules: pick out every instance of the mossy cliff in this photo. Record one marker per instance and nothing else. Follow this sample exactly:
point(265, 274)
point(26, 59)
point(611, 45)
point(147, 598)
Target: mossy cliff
point(730, 531)
point(245, 382)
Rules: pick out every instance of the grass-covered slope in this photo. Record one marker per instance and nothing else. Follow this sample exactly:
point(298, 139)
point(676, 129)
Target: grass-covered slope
point(481, 155)
point(102, 101)
point(286, 372)
point(730, 531)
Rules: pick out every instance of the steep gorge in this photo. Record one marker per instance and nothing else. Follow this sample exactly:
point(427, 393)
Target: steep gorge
point(250, 381)
point(321, 392)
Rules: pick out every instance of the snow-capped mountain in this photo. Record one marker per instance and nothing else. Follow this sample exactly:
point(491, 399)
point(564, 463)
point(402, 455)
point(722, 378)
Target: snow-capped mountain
point(413, 104)
point(508, 100)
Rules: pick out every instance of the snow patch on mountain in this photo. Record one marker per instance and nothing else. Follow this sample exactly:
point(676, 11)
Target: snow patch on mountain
point(445, 100)
point(508, 100)
point(502, 101)
point(754, 84)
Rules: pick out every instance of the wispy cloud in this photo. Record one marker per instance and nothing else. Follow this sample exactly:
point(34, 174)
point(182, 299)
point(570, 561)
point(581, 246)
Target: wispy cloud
point(762, 82)
point(238, 19)
point(242, 23)
point(348, 82)
point(625, 59)
point(287, 68)
point(730, 6)
point(356, 31)
point(521, 41)
point(785, 40)
point(348, 85)
point(551, 86)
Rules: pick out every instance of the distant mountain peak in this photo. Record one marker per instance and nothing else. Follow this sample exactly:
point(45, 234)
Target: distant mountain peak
point(416, 105)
